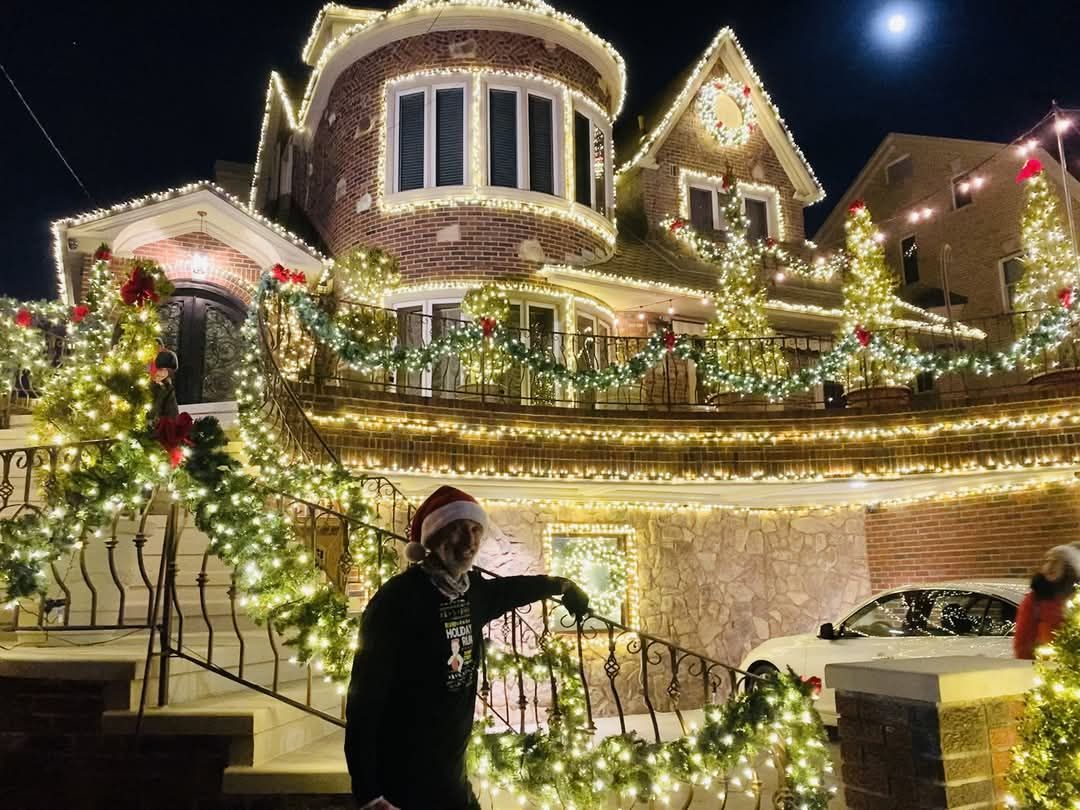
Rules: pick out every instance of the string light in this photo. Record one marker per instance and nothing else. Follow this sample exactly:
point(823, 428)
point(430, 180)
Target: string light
point(592, 546)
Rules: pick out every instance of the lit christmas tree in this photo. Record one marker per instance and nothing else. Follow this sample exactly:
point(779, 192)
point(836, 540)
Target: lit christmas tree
point(1050, 266)
point(1045, 773)
point(869, 302)
point(740, 328)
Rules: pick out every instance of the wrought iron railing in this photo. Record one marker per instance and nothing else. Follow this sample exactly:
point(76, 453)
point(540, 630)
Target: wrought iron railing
point(488, 375)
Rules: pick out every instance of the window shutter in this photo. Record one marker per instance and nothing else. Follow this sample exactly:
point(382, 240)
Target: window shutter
point(502, 137)
point(582, 160)
point(701, 209)
point(450, 137)
point(410, 125)
point(758, 214)
point(541, 145)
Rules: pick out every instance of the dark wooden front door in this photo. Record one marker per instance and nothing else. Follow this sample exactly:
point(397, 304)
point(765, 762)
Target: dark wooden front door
point(202, 326)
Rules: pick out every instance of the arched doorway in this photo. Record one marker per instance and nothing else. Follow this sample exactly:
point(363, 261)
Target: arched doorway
point(201, 324)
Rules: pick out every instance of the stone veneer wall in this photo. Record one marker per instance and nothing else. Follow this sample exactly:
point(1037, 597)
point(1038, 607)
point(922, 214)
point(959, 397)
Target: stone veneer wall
point(715, 582)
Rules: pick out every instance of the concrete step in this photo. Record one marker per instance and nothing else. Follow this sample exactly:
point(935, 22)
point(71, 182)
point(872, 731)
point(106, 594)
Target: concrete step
point(261, 728)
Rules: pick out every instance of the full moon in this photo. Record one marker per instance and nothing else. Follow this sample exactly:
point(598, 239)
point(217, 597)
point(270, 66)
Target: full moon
point(897, 23)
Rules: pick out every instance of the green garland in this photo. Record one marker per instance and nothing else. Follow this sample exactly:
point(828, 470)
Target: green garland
point(564, 766)
point(1053, 328)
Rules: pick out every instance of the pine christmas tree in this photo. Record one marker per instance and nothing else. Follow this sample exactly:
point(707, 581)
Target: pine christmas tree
point(740, 329)
point(1045, 773)
point(1050, 266)
point(869, 302)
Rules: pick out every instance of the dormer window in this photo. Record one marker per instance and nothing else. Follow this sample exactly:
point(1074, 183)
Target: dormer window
point(702, 206)
point(429, 126)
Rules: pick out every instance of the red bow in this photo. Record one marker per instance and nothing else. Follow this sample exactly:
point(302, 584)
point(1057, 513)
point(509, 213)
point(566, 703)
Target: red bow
point(488, 325)
point(746, 90)
point(79, 312)
point(139, 288)
point(285, 275)
point(677, 225)
point(173, 433)
point(863, 336)
point(770, 242)
point(102, 254)
point(856, 207)
point(815, 683)
point(1065, 296)
point(669, 340)
point(1029, 170)
point(719, 124)
point(23, 318)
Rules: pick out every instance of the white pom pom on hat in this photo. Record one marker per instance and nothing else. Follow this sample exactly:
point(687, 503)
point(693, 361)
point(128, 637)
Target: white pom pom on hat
point(442, 507)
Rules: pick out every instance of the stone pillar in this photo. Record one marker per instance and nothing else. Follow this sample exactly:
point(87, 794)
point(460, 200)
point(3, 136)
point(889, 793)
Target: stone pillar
point(928, 733)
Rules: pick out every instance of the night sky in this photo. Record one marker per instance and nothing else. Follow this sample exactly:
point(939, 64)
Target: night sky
point(143, 96)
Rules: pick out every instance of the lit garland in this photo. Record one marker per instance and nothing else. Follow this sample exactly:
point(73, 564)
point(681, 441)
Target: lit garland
point(1045, 770)
point(563, 766)
point(727, 133)
point(488, 306)
point(905, 360)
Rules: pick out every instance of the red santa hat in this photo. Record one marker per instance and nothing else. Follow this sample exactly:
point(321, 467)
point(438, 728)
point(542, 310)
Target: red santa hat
point(442, 507)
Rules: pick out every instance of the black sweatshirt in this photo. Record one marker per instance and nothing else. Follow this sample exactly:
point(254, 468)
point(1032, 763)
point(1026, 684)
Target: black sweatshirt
point(413, 689)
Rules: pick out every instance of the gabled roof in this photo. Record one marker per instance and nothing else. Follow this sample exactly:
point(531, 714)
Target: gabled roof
point(181, 210)
point(833, 222)
point(725, 48)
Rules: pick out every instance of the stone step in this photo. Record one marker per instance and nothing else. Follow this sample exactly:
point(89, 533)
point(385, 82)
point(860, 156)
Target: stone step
point(260, 728)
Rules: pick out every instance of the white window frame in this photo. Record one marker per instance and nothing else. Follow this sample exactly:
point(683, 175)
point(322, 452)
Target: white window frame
point(524, 89)
point(596, 122)
point(1005, 305)
point(770, 198)
point(893, 162)
point(428, 88)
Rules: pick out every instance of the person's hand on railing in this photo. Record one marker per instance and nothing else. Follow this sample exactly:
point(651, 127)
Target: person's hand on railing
point(575, 600)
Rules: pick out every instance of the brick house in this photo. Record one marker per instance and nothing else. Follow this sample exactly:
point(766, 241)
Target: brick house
point(487, 143)
point(970, 243)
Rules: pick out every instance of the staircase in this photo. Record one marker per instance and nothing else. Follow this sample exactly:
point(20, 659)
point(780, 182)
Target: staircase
point(221, 718)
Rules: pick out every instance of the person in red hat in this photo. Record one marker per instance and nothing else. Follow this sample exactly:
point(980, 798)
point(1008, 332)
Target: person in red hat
point(413, 689)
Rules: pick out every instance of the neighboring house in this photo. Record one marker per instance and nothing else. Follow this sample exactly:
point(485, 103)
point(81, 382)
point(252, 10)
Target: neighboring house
point(970, 242)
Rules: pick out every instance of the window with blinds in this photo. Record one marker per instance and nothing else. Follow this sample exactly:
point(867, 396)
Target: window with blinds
point(502, 138)
point(410, 153)
point(582, 159)
point(450, 136)
point(541, 145)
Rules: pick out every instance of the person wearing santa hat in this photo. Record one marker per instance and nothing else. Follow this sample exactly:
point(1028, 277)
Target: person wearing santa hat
point(1042, 611)
point(413, 689)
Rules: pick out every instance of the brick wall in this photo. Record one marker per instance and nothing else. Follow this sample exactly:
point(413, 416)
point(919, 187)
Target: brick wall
point(229, 269)
point(981, 536)
point(348, 139)
point(690, 146)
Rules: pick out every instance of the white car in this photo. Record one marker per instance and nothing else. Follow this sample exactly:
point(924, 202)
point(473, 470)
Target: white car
point(966, 617)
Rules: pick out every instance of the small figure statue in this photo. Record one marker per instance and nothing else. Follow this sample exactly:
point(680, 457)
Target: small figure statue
point(162, 370)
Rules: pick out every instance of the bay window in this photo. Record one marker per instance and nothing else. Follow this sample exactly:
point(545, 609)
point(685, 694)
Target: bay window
point(428, 136)
point(591, 162)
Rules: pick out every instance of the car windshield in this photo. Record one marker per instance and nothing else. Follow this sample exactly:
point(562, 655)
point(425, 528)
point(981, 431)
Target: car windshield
point(937, 612)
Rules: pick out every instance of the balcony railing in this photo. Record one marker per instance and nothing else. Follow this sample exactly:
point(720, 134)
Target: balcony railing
point(487, 375)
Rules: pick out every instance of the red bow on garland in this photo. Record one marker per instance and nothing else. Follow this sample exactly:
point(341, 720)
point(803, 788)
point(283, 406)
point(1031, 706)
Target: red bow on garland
point(488, 325)
point(863, 336)
point(173, 434)
point(677, 225)
point(23, 318)
point(669, 340)
point(1066, 296)
point(102, 254)
point(815, 683)
point(770, 242)
point(1029, 170)
point(79, 312)
point(139, 288)
point(285, 275)
point(856, 207)
point(746, 90)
